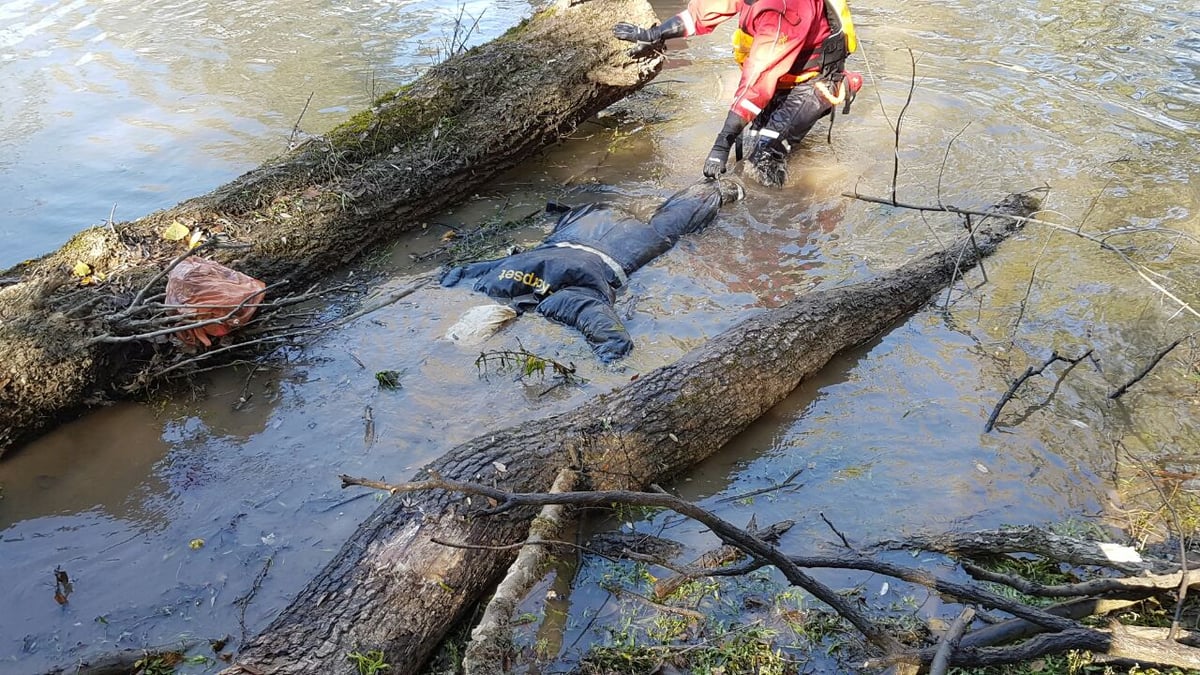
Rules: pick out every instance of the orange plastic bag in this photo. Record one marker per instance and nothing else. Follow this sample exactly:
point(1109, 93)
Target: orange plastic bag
point(204, 289)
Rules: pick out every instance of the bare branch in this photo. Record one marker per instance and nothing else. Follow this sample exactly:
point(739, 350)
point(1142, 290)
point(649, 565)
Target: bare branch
point(1029, 372)
point(941, 659)
point(1162, 353)
point(912, 86)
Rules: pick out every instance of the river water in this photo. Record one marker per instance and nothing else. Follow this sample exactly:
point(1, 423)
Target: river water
point(141, 103)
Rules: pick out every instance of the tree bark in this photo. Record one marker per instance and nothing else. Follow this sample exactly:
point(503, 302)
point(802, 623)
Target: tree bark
point(392, 588)
point(417, 150)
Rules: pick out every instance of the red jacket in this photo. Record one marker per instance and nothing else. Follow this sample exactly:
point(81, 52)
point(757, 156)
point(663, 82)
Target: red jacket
point(785, 32)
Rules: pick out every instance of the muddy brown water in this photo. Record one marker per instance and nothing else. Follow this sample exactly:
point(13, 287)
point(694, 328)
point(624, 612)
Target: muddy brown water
point(144, 103)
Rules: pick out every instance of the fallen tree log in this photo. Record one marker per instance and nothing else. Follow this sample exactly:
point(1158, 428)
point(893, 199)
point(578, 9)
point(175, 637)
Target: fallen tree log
point(1133, 645)
point(417, 150)
point(392, 588)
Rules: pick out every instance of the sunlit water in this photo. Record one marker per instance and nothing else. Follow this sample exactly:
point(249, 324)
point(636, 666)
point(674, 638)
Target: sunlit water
point(143, 104)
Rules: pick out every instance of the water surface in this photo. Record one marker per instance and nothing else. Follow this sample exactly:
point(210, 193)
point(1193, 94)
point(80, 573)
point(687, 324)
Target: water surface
point(144, 103)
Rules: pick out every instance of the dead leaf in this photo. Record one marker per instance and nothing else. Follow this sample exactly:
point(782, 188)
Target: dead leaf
point(195, 239)
point(176, 231)
point(81, 269)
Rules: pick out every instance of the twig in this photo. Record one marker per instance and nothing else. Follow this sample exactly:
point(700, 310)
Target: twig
point(912, 86)
point(941, 659)
point(369, 431)
point(962, 252)
point(945, 158)
point(137, 299)
point(296, 126)
point(975, 245)
point(692, 614)
point(1179, 534)
point(1029, 288)
point(1029, 372)
point(1139, 587)
point(308, 330)
point(491, 639)
point(189, 326)
point(246, 394)
point(1162, 353)
point(835, 531)
point(245, 600)
point(762, 491)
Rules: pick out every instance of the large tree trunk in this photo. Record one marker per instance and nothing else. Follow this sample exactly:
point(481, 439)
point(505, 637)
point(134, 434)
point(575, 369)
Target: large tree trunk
point(392, 587)
point(415, 151)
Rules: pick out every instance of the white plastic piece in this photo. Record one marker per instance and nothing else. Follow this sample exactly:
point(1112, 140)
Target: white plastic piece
point(480, 323)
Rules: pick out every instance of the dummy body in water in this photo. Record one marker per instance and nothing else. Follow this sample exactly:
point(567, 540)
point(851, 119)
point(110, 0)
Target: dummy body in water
point(574, 275)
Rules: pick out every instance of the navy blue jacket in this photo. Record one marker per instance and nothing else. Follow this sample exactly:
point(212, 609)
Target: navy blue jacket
point(573, 276)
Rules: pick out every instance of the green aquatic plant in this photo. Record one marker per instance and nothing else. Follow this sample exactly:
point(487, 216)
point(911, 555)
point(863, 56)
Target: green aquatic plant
point(371, 663)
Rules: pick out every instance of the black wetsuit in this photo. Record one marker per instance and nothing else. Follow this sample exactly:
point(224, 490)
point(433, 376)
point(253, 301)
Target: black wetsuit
point(574, 275)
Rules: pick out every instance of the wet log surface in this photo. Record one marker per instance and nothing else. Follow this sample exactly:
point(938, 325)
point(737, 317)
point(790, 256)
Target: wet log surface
point(392, 587)
point(417, 150)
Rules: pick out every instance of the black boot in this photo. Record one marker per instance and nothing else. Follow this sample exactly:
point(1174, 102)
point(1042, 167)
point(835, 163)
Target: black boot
point(768, 166)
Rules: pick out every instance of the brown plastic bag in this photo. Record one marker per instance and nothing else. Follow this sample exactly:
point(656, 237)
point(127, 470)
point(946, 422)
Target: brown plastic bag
point(204, 289)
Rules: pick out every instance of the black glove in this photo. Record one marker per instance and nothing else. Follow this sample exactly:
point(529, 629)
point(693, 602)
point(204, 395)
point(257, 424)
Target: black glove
point(718, 157)
point(650, 39)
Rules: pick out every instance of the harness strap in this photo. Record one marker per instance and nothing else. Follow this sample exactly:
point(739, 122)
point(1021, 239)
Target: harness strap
point(612, 264)
point(835, 97)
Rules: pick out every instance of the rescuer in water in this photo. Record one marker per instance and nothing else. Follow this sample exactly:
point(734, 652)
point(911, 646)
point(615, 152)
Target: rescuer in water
point(792, 54)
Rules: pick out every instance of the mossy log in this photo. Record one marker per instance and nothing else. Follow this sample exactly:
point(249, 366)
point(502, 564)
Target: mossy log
point(394, 588)
point(417, 150)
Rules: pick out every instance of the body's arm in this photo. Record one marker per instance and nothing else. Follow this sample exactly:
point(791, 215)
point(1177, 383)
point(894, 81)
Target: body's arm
point(592, 315)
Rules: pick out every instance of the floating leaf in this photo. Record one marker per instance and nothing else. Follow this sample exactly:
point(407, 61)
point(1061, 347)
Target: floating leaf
point(176, 231)
point(981, 468)
point(196, 544)
point(81, 269)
